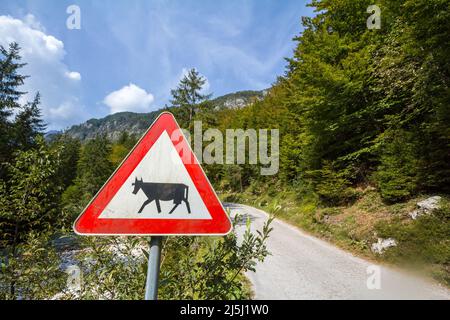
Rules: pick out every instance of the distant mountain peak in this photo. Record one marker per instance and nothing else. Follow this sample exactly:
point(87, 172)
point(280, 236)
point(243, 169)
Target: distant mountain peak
point(137, 123)
point(239, 99)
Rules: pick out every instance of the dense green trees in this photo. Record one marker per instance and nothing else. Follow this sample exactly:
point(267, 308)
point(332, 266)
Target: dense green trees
point(359, 106)
point(30, 197)
point(69, 156)
point(27, 166)
point(94, 166)
point(360, 112)
point(91, 167)
point(29, 216)
point(30, 188)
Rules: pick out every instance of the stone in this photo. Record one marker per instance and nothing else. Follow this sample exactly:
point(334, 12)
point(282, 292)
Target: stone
point(383, 244)
point(415, 214)
point(426, 207)
point(430, 204)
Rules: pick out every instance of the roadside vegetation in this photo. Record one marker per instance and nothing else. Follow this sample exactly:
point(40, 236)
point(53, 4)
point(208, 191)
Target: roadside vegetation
point(364, 135)
point(364, 119)
point(45, 185)
point(423, 245)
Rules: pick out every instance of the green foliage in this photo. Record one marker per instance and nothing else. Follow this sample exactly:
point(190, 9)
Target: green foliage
point(33, 272)
point(412, 75)
point(69, 157)
point(196, 268)
point(423, 241)
point(121, 148)
point(30, 199)
point(127, 140)
point(73, 200)
point(397, 173)
point(29, 191)
point(290, 157)
point(373, 103)
point(333, 187)
point(10, 81)
point(28, 125)
point(191, 267)
point(356, 107)
point(94, 166)
point(188, 95)
point(112, 268)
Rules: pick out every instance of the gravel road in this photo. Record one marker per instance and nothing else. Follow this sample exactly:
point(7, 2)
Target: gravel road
point(306, 268)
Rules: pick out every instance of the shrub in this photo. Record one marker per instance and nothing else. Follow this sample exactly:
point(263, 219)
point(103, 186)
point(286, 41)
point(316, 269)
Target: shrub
point(32, 271)
point(333, 187)
point(397, 173)
point(191, 267)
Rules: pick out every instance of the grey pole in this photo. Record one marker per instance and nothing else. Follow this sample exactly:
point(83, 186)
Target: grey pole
point(154, 260)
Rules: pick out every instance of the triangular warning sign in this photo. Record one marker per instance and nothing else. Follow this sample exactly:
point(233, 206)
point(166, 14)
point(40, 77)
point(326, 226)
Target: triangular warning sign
point(159, 189)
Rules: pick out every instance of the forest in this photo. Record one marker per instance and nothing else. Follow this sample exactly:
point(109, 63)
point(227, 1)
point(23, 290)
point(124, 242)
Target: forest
point(364, 121)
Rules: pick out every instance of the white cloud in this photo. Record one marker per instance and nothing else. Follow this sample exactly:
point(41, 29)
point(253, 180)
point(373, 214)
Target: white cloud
point(73, 75)
point(65, 111)
point(129, 98)
point(31, 21)
point(44, 54)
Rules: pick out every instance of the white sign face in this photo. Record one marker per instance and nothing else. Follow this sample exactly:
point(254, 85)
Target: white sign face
point(159, 188)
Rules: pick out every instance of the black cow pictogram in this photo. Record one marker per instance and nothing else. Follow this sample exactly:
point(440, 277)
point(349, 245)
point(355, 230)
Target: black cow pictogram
point(157, 192)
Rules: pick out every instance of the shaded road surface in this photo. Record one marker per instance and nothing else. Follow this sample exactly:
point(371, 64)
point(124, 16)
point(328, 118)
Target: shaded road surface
point(304, 267)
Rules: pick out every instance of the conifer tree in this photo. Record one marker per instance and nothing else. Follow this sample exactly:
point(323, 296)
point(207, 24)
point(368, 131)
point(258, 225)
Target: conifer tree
point(188, 95)
point(10, 81)
point(28, 125)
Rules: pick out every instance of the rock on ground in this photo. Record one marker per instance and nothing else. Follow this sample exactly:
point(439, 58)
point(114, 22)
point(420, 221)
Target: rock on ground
point(383, 244)
point(426, 207)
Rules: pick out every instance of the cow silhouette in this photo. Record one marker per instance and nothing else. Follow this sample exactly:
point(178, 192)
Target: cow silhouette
point(163, 192)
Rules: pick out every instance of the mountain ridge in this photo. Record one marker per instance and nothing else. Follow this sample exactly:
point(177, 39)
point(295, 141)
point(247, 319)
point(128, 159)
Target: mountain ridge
point(136, 123)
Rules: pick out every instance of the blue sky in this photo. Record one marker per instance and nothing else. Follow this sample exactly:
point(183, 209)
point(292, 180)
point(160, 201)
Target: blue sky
point(128, 54)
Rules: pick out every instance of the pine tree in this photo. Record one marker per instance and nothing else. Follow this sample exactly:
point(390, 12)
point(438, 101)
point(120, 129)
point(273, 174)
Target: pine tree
point(28, 125)
point(188, 95)
point(10, 81)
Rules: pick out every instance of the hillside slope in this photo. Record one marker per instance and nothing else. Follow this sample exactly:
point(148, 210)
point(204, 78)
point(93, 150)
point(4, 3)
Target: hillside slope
point(136, 123)
point(113, 125)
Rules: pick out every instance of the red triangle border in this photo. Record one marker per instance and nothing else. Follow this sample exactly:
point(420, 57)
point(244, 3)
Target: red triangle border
point(88, 222)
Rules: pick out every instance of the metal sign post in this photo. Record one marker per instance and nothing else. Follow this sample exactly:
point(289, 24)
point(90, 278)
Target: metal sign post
point(154, 260)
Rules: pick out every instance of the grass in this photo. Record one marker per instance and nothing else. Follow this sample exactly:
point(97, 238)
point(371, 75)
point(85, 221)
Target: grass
point(247, 288)
point(423, 244)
